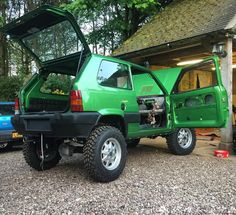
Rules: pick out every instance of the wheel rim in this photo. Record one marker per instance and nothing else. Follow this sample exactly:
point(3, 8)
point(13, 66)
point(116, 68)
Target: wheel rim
point(111, 154)
point(185, 138)
point(4, 145)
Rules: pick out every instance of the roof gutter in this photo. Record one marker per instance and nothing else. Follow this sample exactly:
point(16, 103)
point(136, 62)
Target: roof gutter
point(175, 45)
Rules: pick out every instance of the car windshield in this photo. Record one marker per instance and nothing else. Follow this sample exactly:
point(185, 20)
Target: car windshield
point(53, 42)
point(6, 109)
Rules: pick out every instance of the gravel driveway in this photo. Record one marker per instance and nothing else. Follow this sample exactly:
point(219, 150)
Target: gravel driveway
point(154, 182)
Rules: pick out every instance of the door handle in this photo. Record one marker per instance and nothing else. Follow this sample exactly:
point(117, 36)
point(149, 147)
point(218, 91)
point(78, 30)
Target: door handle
point(123, 106)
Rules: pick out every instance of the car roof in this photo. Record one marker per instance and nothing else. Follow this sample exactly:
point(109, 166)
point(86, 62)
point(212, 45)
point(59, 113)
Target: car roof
point(118, 60)
point(7, 103)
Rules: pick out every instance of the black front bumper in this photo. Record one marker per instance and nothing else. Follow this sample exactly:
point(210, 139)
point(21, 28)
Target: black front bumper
point(56, 124)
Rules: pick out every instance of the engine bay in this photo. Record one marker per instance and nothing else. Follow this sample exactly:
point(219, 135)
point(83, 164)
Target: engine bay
point(152, 111)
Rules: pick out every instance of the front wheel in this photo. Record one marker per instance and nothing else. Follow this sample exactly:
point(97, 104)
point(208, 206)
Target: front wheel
point(182, 141)
point(105, 154)
point(6, 146)
point(33, 154)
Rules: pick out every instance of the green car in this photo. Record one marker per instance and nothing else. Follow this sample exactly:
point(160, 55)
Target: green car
point(82, 102)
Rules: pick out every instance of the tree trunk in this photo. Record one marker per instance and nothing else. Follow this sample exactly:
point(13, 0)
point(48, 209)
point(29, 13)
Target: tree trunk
point(3, 43)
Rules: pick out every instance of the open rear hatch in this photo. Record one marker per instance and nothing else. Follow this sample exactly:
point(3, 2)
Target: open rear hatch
point(49, 34)
point(56, 42)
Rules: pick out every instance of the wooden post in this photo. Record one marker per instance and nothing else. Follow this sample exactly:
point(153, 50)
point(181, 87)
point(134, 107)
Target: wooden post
point(227, 76)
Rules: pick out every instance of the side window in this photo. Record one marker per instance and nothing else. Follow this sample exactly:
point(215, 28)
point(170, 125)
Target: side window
point(115, 75)
point(197, 77)
point(57, 84)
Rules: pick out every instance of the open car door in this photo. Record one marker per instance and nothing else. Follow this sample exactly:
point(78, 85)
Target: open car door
point(199, 98)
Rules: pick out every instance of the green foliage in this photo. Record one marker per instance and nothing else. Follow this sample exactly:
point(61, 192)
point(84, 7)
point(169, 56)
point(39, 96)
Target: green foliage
point(57, 84)
point(9, 87)
point(106, 23)
point(1, 21)
point(110, 22)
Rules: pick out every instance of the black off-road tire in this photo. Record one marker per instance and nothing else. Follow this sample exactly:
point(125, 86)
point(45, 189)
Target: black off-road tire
point(175, 146)
point(93, 149)
point(31, 152)
point(132, 143)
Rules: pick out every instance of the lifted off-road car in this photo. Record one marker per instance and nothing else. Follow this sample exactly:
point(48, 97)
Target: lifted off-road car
point(79, 101)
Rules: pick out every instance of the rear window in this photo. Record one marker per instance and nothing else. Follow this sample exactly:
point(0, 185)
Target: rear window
point(59, 84)
point(56, 41)
point(6, 109)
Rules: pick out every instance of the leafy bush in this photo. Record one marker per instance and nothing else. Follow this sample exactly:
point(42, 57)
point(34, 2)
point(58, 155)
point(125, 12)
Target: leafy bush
point(9, 87)
point(57, 84)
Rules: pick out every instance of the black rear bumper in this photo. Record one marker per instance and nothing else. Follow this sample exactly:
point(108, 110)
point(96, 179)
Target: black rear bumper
point(56, 124)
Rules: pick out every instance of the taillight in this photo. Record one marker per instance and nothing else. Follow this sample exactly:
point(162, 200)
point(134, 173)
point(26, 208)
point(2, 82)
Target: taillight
point(17, 106)
point(76, 103)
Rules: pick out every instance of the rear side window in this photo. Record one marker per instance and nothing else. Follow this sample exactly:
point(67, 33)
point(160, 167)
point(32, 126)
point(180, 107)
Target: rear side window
point(197, 77)
point(115, 75)
point(6, 109)
point(59, 84)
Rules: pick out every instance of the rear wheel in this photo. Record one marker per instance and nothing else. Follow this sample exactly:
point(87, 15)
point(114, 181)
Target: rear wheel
point(182, 141)
point(105, 154)
point(33, 154)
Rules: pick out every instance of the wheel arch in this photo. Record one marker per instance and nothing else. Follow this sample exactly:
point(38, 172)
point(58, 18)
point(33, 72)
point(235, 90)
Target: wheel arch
point(115, 120)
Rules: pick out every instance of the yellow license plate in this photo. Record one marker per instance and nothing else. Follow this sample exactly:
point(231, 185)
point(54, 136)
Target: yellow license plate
point(16, 135)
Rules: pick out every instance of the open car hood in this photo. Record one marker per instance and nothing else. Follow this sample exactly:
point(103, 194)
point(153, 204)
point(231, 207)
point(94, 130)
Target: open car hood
point(168, 77)
point(48, 34)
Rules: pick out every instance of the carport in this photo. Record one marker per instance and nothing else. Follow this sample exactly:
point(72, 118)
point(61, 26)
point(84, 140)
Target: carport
point(185, 32)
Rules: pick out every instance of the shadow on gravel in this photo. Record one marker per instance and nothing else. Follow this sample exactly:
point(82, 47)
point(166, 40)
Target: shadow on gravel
point(143, 148)
point(73, 167)
point(76, 161)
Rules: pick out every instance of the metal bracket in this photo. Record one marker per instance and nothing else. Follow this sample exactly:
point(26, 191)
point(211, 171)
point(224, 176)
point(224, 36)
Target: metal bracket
point(42, 151)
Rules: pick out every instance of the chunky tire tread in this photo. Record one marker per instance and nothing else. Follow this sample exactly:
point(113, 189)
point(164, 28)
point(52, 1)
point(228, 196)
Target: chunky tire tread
point(31, 157)
point(92, 154)
point(174, 147)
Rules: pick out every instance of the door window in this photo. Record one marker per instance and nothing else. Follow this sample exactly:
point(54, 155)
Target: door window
point(197, 77)
point(115, 75)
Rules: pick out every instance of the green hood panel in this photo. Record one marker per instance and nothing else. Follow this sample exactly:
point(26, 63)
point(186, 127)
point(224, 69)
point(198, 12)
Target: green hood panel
point(168, 77)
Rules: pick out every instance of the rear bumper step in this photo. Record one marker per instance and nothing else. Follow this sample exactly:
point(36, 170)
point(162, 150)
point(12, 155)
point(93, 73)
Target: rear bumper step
point(56, 124)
